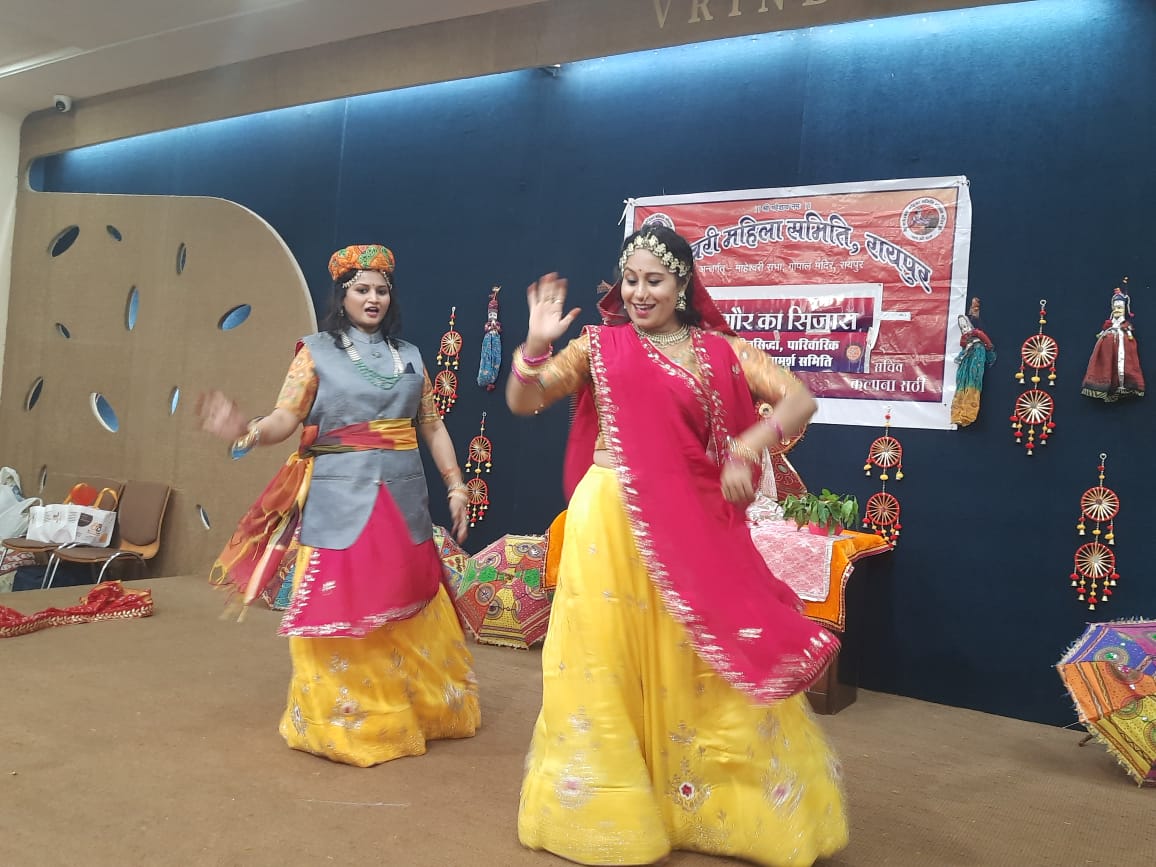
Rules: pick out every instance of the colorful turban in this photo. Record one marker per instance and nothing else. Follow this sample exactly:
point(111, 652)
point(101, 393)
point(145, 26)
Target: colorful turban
point(361, 257)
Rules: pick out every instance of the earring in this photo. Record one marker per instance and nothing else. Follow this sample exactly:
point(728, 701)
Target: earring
point(680, 303)
point(341, 312)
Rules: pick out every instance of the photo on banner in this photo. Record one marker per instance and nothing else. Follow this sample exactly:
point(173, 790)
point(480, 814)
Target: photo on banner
point(856, 288)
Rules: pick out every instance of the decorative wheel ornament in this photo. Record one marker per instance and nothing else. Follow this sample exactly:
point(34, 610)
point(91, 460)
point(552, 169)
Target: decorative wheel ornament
point(882, 511)
point(886, 453)
point(479, 459)
point(1034, 408)
point(1094, 564)
point(449, 357)
point(479, 502)
point(882, 516)
point(1040, 351)
point(481, 451)
point(445, 391)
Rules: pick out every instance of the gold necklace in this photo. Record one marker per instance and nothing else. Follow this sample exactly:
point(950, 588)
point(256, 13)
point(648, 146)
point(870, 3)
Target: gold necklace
point(664, 339)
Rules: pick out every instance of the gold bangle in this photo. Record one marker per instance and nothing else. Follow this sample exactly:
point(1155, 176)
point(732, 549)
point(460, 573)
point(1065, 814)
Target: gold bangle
point(526, 372)
point(740, 450)
point(245, 444)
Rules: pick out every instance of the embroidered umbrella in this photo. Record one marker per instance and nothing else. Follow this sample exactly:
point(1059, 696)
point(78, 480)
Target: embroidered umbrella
point(1111, 674)
point(501, 596)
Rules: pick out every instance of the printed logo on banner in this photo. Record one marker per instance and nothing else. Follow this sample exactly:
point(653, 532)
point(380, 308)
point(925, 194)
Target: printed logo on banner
point(924, 219)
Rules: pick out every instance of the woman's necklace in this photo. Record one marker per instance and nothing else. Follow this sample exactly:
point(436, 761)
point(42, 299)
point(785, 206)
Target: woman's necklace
point(664, 339)
point(380, 380)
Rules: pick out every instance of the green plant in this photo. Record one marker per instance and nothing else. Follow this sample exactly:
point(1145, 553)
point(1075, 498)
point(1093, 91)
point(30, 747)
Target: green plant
point(830, 511)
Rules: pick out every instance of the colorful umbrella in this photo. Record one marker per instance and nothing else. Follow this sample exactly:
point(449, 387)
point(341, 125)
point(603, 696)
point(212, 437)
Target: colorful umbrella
point(501, 597)
point(1111, 674)
point(454, 559)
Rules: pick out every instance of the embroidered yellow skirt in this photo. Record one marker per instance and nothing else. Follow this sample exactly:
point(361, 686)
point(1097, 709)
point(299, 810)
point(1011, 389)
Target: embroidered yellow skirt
point(363, 701)
point(640, 747)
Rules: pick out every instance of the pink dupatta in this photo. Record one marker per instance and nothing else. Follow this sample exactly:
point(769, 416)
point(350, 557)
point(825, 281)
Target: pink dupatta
point(666, 433)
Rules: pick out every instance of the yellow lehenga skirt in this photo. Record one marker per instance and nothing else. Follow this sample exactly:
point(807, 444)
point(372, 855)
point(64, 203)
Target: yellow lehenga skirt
point(640, 748)
point(363, 701)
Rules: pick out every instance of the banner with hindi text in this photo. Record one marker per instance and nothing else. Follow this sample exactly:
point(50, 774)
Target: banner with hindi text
point(856, 288)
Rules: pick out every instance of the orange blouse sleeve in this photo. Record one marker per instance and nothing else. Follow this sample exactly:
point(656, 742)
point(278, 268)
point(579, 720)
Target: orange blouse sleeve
point(300, 387)
point(566, 372)
point(428, 410)
point(766, 379)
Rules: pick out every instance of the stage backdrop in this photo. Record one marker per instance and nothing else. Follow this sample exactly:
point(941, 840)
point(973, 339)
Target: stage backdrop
point(856, 287)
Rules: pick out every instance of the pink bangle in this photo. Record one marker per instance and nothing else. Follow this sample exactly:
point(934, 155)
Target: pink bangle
point(536, 360)
point(773, 422)
point(518, 375)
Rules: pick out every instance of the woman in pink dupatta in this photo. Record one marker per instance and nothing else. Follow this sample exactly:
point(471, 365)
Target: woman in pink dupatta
point(672, 709)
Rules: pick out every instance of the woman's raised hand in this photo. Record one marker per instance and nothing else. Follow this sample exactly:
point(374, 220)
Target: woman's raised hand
point(548, 322)
point(221, 417)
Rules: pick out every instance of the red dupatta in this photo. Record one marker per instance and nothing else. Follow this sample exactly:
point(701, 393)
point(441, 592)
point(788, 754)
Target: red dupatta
point(666, 432)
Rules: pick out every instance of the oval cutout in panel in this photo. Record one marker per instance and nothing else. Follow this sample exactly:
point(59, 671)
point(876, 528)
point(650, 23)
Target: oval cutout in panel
point(115, 233)
point(182, 255)
point(204, 516)
point(64, 239)
point(104, 412)
point(34, 393)
point(43, 478)
point(131, 308)
point(174, 399)
point(234, 317)
point(63, 331)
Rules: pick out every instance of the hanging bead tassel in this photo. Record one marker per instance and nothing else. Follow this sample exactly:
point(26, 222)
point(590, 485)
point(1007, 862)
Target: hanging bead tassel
point(491, 358)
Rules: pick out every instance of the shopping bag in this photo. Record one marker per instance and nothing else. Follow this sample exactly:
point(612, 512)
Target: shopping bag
point(14, 506)
point(68, 524)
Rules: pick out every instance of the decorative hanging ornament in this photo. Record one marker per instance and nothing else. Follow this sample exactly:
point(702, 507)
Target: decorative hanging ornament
point(449, 355)
point(976, 355)
point(881, 513)
point(491, 361)
point(1094, 564)
point(1114, 368)
point(1034, 407)
point(478, 460)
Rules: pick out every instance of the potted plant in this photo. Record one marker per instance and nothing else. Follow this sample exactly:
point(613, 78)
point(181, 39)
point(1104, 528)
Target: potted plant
point(825, 514)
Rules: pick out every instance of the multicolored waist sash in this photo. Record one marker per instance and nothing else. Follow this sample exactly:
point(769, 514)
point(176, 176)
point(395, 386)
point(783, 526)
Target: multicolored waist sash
point(255, 553)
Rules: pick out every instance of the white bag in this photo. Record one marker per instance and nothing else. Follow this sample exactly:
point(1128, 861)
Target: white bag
point(14, 508)
point(82, 525)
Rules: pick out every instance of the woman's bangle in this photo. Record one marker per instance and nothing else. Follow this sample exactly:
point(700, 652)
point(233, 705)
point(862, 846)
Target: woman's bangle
point(535, 360)
point(245, 444)
point(526, 370)
point(738, 450)
point(453, 488)
point(773, 423)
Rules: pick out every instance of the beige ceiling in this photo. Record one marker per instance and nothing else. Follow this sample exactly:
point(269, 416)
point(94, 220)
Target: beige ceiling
point(81, 48)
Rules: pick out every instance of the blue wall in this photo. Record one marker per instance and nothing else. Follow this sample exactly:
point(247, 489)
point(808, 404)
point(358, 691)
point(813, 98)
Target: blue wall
point(1048, 107)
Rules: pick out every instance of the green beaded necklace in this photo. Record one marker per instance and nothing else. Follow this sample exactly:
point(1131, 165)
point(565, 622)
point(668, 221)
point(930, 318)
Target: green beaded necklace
point(380, 380)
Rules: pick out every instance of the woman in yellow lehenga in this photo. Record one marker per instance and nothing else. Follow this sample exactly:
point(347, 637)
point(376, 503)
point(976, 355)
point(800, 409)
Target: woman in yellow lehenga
point(672, 714)
point(380, 664)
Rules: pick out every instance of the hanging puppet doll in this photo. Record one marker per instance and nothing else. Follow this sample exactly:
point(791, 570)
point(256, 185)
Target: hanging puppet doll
point(1114, 368)
point(491, 360)
point(976, 355)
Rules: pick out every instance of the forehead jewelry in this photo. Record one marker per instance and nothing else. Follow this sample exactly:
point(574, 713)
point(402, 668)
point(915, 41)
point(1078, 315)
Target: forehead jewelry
point(652, 245)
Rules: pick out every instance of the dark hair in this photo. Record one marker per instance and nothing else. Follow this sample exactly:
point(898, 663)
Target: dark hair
point(679, 246)
point(335, 321)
